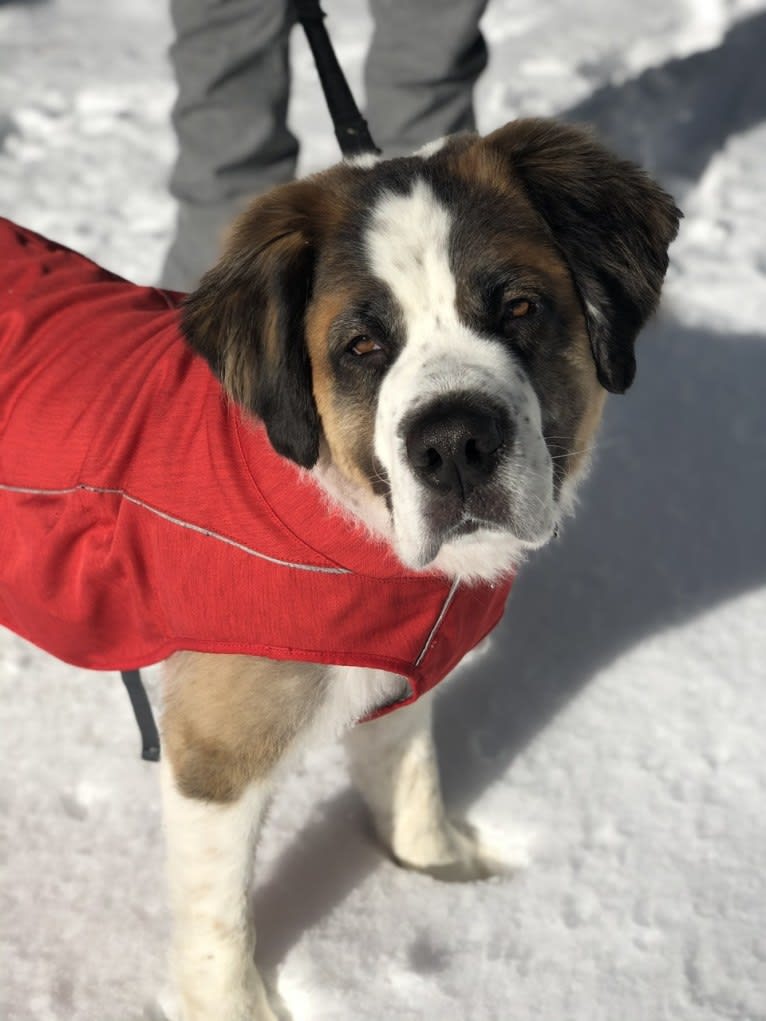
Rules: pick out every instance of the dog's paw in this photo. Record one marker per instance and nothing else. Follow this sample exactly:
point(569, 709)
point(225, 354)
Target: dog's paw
point(249, 1005)
point(167, 1008)
point(455, 854)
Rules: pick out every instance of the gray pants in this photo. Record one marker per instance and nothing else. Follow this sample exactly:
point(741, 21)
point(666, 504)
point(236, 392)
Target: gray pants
point(231, 64)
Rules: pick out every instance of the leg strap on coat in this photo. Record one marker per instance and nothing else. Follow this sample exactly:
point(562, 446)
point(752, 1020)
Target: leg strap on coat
point(150, 738)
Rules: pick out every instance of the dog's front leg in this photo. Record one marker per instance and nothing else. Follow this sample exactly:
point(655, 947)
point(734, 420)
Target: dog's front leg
point(393, 763)
point(228, 722)
point(210, 852)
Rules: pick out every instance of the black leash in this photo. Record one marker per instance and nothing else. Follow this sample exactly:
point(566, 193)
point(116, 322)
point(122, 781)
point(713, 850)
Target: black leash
point(354, 139)
point(351, 128)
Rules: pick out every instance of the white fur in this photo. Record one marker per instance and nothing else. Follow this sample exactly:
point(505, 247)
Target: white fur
point(364, 161)
point(352, 694)
point(209, 852)
point(407, 246)
point(393, 763)
point(369, 513)
point(431, 148)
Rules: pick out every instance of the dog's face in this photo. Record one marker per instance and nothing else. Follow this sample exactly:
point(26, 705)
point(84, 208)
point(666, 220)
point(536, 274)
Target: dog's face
point(441, 329)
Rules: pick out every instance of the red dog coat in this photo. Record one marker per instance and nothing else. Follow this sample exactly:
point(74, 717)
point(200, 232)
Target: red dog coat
point(142, 514)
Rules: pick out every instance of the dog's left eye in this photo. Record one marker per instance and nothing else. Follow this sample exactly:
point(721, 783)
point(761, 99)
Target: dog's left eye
point(364, 345)
point(519, 308)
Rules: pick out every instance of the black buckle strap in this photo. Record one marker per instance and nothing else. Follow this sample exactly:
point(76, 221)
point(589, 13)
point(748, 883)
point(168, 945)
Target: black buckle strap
point(150, 738)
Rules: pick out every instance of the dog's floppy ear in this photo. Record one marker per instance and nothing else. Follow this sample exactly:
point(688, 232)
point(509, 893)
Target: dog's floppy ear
point(612, 224)
point(247, 316)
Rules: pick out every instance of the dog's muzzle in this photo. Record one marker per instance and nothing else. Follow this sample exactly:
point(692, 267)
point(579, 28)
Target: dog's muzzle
point(454, 446)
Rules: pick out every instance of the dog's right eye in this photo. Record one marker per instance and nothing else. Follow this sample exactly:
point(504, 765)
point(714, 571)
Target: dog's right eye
point(364, 345)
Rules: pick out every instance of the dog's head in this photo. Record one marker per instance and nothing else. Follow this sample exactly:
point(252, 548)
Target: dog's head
point(442, 328)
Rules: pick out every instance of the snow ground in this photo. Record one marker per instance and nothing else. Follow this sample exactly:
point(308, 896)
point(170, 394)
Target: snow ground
point(611, 741)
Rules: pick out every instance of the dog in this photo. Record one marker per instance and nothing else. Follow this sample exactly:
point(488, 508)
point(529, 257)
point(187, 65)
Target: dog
point(428, 343)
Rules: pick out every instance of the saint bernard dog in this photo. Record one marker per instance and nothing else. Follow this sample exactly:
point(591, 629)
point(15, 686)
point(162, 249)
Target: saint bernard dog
point(431, 339)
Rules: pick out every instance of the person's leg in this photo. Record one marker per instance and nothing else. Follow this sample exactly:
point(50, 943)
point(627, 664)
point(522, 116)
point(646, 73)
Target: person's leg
point(423, 63)
point(231, 65)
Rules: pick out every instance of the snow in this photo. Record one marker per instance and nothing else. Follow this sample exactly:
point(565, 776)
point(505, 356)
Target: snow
point(727, 226)
point(609, 743)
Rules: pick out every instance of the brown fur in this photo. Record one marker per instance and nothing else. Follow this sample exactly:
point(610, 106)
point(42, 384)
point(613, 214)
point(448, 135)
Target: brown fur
point(593, 397)
point(347, 426)
point(611, 222)
point(246, 317)
point(229, 719)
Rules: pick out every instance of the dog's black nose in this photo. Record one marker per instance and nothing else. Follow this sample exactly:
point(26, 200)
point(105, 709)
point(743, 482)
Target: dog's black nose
point(454, 447)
